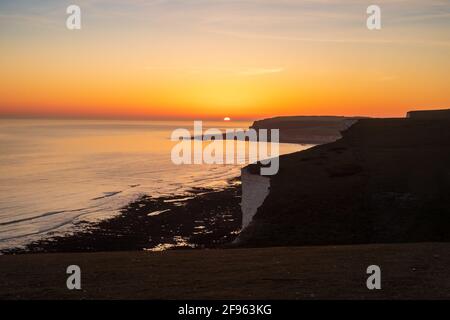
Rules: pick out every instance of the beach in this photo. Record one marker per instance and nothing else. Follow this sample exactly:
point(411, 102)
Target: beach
point(409, 271)
point(201, 218)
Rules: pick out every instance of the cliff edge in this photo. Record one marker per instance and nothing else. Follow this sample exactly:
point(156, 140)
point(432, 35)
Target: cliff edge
point(384, 181)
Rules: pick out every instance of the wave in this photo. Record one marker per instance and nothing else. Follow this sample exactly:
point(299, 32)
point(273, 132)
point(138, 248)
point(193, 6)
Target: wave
point(107, 195)
point(49, 228)
point(46, 214)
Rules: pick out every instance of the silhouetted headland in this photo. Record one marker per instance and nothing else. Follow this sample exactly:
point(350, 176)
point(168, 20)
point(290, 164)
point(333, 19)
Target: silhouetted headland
point(385, 181)
point(307, 129)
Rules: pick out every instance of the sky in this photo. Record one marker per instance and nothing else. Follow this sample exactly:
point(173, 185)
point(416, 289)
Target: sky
point(244, 59)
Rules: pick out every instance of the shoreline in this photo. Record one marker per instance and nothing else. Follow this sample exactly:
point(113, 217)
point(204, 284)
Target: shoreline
point(202, 218)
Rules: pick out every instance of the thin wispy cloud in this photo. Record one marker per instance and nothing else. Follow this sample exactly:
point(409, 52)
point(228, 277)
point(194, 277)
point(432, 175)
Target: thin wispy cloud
point(260, 71)
point(242, 72)
point(363, 40)
point(286, 17)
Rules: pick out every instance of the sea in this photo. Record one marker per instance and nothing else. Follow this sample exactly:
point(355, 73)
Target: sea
point(54, 173)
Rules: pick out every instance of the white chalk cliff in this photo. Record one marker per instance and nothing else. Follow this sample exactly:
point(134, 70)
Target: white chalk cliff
point(255, 189)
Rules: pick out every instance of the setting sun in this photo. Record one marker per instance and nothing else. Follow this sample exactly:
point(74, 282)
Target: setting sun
point(299, 61)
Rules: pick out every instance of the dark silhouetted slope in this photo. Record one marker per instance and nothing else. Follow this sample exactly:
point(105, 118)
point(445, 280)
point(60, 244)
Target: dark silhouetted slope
point(386, 180)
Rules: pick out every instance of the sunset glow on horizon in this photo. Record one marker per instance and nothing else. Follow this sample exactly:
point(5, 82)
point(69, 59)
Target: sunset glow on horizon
point(247, 59)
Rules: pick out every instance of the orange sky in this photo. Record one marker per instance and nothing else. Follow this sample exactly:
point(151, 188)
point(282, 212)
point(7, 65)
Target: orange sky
point(204, 59)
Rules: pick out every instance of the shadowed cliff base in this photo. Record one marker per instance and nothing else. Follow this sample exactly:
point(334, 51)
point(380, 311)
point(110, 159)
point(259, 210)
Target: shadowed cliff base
point(385, 181)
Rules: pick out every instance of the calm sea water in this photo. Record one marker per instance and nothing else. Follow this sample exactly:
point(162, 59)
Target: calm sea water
point(55, 172)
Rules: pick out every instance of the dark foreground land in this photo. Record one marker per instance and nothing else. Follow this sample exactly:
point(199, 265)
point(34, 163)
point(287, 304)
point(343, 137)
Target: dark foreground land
point(409, 271)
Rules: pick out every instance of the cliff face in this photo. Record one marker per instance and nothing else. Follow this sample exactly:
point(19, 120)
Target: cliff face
point(386, 180)
point(307, 130)
point(255, 189)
